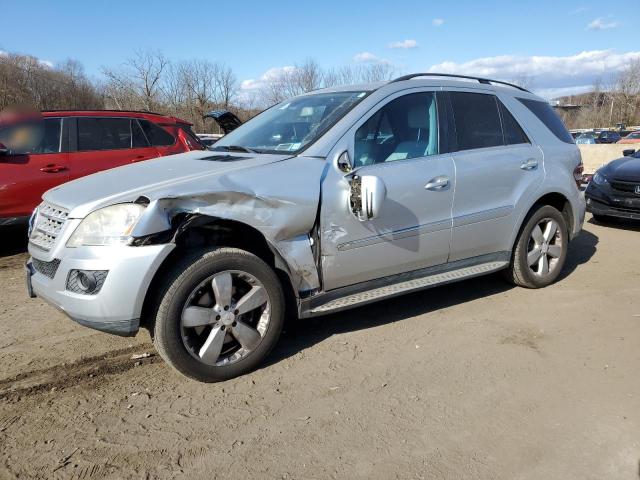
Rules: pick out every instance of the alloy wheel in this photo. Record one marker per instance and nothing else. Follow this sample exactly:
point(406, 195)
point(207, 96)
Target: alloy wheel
point(225, 318)
point(545, 247)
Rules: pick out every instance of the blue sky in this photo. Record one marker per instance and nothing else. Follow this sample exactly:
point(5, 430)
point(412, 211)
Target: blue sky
point(541, 40)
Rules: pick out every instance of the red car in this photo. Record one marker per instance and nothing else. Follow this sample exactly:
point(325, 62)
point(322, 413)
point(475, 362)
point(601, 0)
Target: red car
point(66, 145)
point(633, 137)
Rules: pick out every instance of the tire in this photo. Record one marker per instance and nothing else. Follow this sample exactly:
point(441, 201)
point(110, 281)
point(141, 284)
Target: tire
point(528, 246)
point(191, 285)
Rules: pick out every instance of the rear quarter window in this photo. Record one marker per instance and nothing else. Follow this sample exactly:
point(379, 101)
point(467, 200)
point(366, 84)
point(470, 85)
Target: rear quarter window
point(156, 135)
point(549, 117)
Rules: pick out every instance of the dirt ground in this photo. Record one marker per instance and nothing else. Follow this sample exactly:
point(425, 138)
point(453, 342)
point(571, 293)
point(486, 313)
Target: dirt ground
point(475, 380)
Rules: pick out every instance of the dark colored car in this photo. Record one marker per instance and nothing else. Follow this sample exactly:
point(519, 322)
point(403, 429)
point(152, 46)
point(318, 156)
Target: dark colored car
point(64, 145)
point(614, 190)
point(608, 137)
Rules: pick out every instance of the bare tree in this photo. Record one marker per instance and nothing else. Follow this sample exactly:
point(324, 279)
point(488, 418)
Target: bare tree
point(138, 83)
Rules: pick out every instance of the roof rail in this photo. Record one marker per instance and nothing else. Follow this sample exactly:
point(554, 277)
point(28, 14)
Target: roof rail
point(102, 110)
point(486, 81)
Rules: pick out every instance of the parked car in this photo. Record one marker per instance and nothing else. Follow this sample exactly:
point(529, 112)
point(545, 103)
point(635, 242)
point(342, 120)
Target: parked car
point(65, 145)
point(208, 139)
point(587, 138)
point(614, 190)
point(633, 137)
point(608, 137)
point(327, 201)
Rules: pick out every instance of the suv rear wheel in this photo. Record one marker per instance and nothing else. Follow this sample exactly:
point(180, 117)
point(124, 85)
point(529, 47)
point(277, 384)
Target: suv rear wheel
point(220, 313)
point(541, 249)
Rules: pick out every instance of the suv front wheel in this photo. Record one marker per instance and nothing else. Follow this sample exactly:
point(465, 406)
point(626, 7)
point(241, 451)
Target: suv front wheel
point(540, 250)
point(220, 313)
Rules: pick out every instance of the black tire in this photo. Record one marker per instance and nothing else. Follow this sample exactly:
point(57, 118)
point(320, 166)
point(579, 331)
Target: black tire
point(179, 284)
point(519, 272)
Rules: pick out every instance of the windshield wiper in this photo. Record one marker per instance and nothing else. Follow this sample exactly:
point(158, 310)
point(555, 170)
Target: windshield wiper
point(235, 148)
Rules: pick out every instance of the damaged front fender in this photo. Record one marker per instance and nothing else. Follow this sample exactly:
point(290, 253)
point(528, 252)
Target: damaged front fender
point(280, 200)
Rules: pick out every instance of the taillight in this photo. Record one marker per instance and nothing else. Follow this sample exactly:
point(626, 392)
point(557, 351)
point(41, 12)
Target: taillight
point(577, 174)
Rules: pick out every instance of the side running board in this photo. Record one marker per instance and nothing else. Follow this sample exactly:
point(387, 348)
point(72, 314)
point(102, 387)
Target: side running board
point(356, 295)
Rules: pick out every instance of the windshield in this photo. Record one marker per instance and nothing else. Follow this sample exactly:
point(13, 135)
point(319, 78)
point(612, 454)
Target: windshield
point(291, 125)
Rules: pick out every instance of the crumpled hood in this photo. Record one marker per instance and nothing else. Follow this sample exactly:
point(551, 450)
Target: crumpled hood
point(626, 169)
point(158, 178)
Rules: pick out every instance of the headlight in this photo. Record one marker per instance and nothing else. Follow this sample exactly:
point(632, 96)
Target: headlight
point(599, 179)
point(107, 226)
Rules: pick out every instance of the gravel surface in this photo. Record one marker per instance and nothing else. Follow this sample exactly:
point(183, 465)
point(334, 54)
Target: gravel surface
point(475, 380)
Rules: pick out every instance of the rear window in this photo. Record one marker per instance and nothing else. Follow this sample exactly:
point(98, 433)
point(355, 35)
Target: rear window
point(549, 117)
point(513, 133)
point(103, 133)
point(477, 120)
point(156, 135)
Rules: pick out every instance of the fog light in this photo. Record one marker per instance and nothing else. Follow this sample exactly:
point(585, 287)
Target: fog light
point(87, 282)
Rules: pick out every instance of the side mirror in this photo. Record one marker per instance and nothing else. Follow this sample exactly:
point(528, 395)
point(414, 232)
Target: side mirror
point(3, 150)
point(367, 196)
point(628, 152)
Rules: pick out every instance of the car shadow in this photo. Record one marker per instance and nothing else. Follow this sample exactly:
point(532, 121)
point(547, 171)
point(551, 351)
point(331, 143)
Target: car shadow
point(13, 240)
point(619, 223)
point(299, 335)
point(581, 249)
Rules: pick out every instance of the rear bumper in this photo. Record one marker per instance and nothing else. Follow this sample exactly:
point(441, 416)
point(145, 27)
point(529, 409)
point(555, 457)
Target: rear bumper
point(117, 307)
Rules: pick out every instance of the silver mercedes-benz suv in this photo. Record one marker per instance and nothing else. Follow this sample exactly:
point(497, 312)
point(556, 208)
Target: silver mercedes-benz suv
point(324, 202)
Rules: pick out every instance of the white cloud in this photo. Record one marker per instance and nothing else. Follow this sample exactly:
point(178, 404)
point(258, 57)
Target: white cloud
point(602, 24)
point(257, 83)
point(368, 57)
point(405, 44)
point(437, 22)
point(578, 10)
point(545, 72)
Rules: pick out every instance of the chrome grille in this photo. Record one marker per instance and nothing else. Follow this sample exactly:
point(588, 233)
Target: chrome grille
point(48, 224)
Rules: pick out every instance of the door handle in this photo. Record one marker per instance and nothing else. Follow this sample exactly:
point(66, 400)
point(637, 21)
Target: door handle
point(53, 168)
point(437, 183)
point(529, 164)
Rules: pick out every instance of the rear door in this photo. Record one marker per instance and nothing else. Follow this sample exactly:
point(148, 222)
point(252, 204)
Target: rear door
point(497, 167)
point(25, 174)
point(101, 143)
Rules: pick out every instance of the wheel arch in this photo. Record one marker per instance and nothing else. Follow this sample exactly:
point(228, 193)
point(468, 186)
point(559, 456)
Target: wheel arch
point(554, 199)
point(199, 231)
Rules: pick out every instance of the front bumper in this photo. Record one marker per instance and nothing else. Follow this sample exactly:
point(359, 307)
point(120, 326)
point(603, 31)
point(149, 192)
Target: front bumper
point(117, 307)
point(601, 201)
point(599, 208)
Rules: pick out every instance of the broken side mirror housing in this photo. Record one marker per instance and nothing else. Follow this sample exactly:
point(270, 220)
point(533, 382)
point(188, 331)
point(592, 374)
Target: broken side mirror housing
point(367, 196)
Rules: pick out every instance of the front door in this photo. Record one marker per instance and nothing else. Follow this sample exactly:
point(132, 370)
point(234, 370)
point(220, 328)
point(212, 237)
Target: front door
point(399, 144)
point(27, 172)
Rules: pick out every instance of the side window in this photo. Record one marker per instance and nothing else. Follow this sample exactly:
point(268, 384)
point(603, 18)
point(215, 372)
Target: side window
point(476, 119)
point(513, 133)
point(156, 135)
point(546, 115)
point(33, 137)
point(96, 133)
point(404, 128)
point(138, 138)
